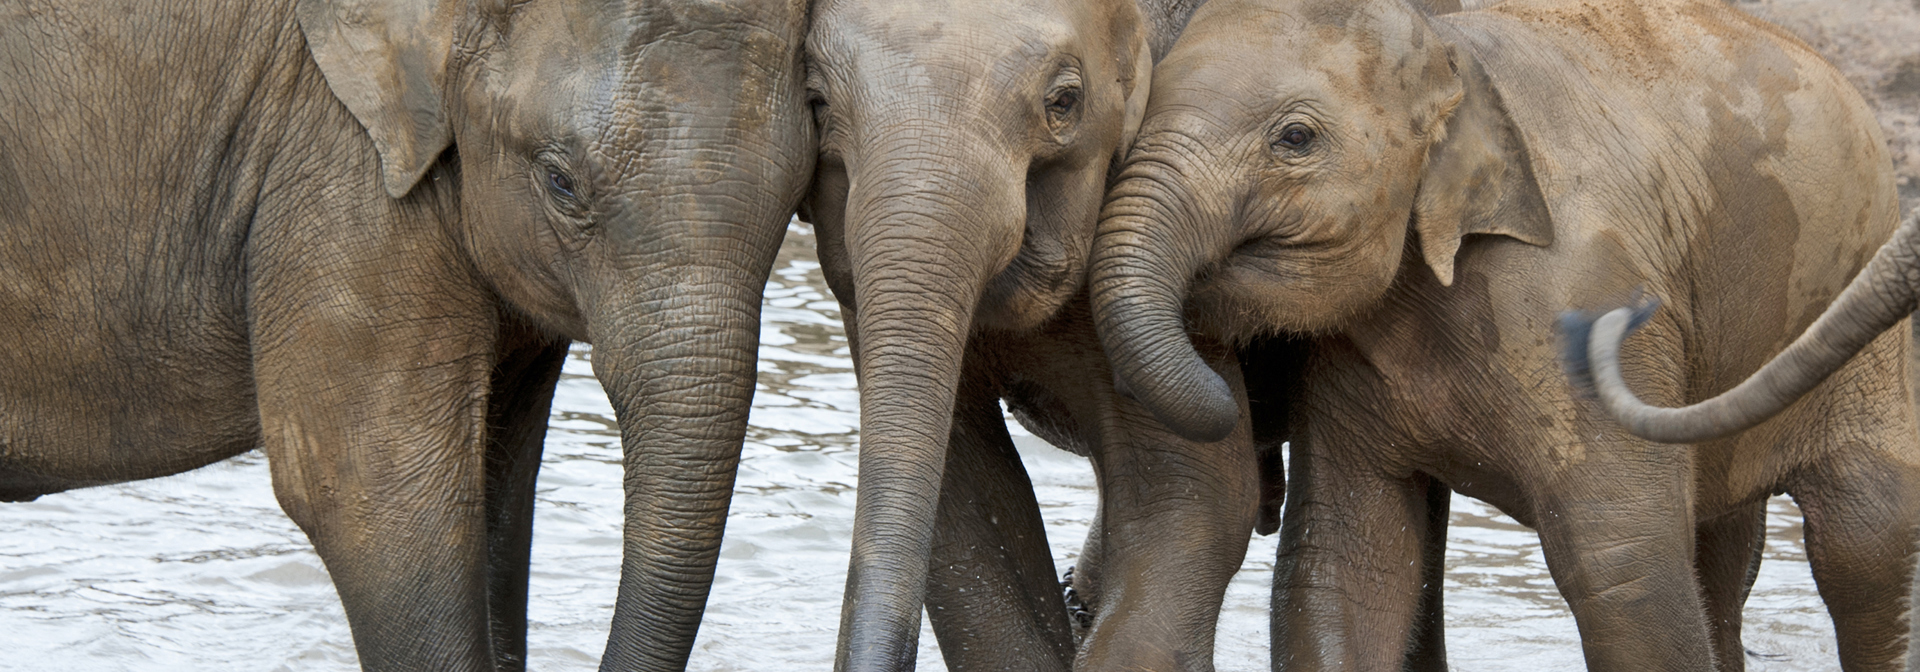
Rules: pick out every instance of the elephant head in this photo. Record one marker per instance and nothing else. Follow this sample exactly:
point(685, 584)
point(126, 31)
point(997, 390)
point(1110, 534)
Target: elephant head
point(1884, 293)
point(1292, 150)
point(625, 172)
point(964, 152)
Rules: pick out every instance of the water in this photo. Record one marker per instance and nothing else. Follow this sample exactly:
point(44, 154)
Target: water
point(201, 571)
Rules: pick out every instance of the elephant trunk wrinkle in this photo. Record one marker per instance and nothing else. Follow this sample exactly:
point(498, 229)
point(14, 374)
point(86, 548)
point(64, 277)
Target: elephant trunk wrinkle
point(910, 367)
point(679, 368)
point(923, 245)
point(1139, 281)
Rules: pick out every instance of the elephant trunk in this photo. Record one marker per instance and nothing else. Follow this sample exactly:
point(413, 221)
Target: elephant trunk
point(1884, 293)
point(923, 240)
point(1143, 263)
point(678, 365)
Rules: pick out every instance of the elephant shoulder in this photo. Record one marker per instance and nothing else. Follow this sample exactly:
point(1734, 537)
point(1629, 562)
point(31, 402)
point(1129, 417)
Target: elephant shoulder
point(1592, 101)
point(1652, 113)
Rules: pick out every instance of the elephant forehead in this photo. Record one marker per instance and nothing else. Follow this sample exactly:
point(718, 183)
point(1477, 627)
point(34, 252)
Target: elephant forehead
point(720, 19)
point(623, 87)
point(1272, 50)
point(874, 35)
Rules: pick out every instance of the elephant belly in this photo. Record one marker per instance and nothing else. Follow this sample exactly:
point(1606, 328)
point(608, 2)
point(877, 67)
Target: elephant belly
point(74, 416)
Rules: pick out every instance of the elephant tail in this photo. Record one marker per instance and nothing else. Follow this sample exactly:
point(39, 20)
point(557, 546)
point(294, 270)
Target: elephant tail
point(1575, 329)
point(1885, 292)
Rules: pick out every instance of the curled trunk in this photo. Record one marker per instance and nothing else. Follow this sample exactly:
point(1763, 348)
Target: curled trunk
point(1878, 298)
point(1141, 270)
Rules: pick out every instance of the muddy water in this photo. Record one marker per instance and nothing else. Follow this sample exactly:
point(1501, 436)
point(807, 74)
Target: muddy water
point(203, 572)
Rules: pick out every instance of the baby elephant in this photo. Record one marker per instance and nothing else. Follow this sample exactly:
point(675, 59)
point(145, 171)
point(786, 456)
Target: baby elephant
point(1415, 198)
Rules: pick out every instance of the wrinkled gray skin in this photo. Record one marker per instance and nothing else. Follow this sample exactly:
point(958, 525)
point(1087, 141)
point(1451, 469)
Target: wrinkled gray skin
point(1456, 181)
point(361, 234)
point(1880, 298)
point(965, 148)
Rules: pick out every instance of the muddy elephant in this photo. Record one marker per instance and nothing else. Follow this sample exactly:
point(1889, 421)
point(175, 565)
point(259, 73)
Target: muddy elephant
point(1414, 199)
point(965, 148)
point(1885, 293)
point(361, 234)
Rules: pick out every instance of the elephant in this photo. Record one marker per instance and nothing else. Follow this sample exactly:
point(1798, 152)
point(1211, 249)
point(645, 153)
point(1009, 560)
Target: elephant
point(1885, 293)
point(360, 234)
point(964, 154)
point(1410, 200)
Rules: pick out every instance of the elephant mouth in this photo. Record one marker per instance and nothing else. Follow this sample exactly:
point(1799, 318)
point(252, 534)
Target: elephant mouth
point(1270, 248)
point(1029, 292)
point(1268, 285)
point(1266, 260)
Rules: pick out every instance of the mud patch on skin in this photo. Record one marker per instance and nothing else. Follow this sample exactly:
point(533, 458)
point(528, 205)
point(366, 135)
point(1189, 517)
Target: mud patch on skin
point(1871, 43)
point(1638, 42)
point(1905, 80)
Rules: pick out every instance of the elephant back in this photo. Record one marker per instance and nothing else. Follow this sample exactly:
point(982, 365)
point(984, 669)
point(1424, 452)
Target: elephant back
point(1692, 148)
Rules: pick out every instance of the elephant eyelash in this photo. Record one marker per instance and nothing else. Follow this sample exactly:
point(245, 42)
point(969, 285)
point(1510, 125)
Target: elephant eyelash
point(1062, 102)
point(1294, 137)
point(818, 107)
point(562, 190)
point(560, 183)
point(1063, 99)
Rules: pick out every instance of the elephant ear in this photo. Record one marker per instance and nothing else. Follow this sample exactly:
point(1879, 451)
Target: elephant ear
point(387, 61)
point(1134, 61)
point(1478, 178)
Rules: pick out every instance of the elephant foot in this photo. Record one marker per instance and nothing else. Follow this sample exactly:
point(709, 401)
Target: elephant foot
point(1077, 612)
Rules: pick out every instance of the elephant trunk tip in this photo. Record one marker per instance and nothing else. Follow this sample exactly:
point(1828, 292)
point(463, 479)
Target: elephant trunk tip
point(1205, 412)
point(1214, 414)
point(1156, 364)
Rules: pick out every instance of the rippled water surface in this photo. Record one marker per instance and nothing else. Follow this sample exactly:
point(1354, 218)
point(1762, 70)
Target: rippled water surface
point(202, 571)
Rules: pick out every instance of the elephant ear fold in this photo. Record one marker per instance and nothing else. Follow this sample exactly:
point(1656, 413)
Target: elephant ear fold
point(1135, 66)
point(387, 61)
point(1478, 177)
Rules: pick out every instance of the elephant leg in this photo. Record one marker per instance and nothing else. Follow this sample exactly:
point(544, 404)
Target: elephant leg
point(517, 409)
point(992, 594)
point(1347, 582)
point(1164, 503)
point(1617, 531)
point(372, 389)
point(1086, 579)
point(1861, 502)
point(1861, 520)
point(394, 504)
point(1729, 551)
point(1429, 652)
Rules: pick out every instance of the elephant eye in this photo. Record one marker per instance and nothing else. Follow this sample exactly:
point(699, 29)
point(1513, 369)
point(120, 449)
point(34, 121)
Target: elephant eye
point(560, 184)
point(1062, 104)
point(1063, 99)
point(1294, 137)
point(817, 104)
point(562, 193)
